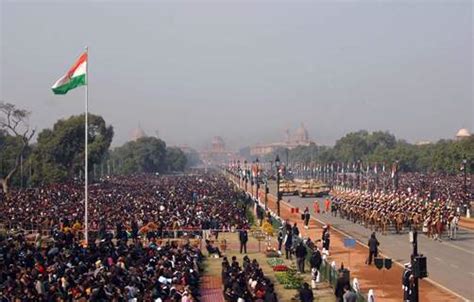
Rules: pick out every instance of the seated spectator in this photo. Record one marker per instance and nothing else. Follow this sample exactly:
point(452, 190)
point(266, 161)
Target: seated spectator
point(211, 249)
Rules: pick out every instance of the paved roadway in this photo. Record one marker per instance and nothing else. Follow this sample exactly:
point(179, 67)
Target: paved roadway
point(450, 262)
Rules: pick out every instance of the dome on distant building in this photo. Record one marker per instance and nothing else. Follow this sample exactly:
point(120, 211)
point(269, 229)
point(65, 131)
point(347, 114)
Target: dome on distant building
point(301, 134)
point(138, 133)
point(463, 133)
point(218, 144)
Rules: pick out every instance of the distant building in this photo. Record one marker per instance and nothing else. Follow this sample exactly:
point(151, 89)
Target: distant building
point(216, 153)
point(422, 143)
point(217, 145)
point(299, 138)
point(462, 134)
point(138, 133)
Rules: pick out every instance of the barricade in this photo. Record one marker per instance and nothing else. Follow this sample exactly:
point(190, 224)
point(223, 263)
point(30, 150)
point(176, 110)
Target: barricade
point(330, 274)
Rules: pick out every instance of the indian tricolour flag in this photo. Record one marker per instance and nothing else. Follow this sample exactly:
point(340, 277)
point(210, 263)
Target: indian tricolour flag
point(75, 77)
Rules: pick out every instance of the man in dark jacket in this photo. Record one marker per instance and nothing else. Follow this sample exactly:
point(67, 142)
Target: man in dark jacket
point(306, 294)
point(280, 239)
point(243, 238)
point(315, 263)
point(326, 239)
point(300, 256)
point(373, 248)
point(288, 245)
point(342, 281)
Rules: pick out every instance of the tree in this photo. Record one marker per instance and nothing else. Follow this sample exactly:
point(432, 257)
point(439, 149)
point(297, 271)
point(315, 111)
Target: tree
point(379, 147)
point(145, 155)
point(175, 159)
point(14, 123)
point(352, 147)
point(192, 158)
point(60, 151)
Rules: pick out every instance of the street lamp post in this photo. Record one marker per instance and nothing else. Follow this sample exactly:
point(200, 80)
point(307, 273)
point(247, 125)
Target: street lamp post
point(238, 171)
point(256, 177)
point(464, 166)
point(395, 168)
point(245, 178)
point(252, 178)
point(415, 254)
point(359, 171)
point(277, 166)
point(266, 194)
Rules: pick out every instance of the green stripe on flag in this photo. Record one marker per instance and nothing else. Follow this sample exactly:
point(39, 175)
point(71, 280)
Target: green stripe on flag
point(73, 83)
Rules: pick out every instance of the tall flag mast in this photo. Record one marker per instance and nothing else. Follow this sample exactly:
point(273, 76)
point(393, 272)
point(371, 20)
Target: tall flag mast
point(78, 75)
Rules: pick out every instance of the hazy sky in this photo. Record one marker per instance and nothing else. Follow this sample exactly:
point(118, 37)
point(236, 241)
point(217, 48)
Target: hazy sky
point(246, 70)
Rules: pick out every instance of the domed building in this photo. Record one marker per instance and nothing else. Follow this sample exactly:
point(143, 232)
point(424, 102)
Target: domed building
point(462, 133)
point(291, 140)
point(138, 133)
point(301, 135)
point(217, 144)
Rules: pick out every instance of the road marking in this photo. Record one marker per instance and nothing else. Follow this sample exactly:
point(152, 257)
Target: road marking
point(439, 259)
point(457, 247)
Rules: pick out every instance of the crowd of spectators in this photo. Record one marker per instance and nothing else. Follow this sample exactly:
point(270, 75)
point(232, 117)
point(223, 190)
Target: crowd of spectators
point(170, 203)
point(126, 259)
point(109, 270)
point(246, 282)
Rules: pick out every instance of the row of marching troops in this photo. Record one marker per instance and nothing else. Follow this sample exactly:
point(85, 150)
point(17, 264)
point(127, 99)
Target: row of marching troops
point(397, 211)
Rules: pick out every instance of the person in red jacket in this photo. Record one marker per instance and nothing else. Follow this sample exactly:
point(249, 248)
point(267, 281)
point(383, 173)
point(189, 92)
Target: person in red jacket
point(327, 204)
point(316, 207)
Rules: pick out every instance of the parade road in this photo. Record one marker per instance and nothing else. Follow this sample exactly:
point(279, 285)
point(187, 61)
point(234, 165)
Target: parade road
point(450, 262)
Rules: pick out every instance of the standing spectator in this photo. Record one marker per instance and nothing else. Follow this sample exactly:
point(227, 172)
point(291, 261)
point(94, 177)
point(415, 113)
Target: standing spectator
point(260, 215)
point(300, 253)
point(334, 208)
point(349, 296)
point(287, 226)
point(306, 294)
point(315, 263)
point(280, 240)
point(341, 282)
point(243, 238)
point(295, 230)
point(373, 248)
point(326, 237)
point(288, 244)
point(306, 217)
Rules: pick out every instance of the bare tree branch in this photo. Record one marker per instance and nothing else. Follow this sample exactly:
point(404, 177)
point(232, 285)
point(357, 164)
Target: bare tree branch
point(16, 124)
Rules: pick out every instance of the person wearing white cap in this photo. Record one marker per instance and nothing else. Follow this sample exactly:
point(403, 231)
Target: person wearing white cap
point(371, 296)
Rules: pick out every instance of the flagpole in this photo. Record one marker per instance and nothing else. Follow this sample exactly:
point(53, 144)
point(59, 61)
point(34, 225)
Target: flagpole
point(86, 169)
